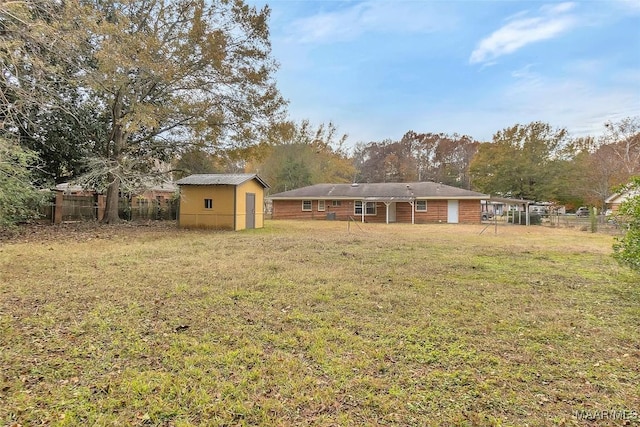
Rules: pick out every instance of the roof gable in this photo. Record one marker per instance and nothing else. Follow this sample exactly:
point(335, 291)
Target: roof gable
point(221, 179)
point(621, 197)
point(381, 191)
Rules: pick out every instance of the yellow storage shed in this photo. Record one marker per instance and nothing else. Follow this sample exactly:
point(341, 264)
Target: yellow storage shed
point(222, 201)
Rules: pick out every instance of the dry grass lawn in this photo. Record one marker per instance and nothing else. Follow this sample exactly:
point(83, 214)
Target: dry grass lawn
point(309, 323)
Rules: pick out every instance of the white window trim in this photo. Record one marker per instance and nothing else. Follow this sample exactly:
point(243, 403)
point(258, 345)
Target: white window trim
point(336, 203)
point(421, 210)
point(205, 204)
point(375, 208)
point(310, 205)
point(355, 207)
point(321, 205)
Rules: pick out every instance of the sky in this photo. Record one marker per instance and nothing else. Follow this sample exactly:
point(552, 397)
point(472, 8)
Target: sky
point(379, 68)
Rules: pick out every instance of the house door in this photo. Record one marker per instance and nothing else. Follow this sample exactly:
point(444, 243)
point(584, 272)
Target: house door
point(452, 211)
point(251, 210)
point(391, 211)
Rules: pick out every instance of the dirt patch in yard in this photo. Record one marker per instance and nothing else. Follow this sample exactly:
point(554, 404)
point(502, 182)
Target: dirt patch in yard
point(81, 231)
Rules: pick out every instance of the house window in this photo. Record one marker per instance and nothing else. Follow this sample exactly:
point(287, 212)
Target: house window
point(336, 203)
point(321, 205)
point(421, 205)
point(208, 203)
point(370, 208)
point(306, 205)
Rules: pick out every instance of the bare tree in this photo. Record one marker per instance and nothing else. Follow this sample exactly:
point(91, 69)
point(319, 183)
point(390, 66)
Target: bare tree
point(624, 138)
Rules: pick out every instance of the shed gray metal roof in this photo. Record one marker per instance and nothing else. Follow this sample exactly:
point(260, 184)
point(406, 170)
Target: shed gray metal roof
point(387, 191)
point(221, 179)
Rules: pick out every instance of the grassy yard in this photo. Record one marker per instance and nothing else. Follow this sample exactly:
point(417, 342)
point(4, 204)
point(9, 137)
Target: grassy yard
point(309, 323)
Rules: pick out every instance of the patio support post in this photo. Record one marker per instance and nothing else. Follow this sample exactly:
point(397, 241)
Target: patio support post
point(387, 205)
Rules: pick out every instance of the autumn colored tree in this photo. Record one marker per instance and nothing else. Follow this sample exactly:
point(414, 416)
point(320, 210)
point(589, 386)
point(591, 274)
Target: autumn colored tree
point(593, 172)
point(417, 157)
point(385, 161)
point(302, 155)
point(194, 160)
point(33, 57)
point(165, 72)
point(521, 162)
point(40, 103)
point(599, 165)
point(441, 157)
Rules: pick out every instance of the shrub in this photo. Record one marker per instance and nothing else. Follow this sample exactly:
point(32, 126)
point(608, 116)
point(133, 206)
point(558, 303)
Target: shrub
point(626, 249)
point(19, 199)
point(535, 219)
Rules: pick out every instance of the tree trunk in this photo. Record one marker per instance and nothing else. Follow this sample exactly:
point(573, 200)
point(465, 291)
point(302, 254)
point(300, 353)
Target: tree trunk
point(111, 209)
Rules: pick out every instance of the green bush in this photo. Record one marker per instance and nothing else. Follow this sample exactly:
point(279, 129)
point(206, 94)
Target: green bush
point(535, 219)
point(19, 199)
point(626, 249)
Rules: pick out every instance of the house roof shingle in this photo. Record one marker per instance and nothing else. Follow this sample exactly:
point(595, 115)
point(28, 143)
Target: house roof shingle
point(220, 179)
point(380, 191)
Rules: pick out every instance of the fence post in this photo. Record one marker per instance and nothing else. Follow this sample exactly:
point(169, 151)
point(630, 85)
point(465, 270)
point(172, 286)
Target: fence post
point(101, 206)
point(57, 208)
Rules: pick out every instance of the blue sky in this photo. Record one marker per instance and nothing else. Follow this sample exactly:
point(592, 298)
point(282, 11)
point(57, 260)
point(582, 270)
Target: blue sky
point(378, 68)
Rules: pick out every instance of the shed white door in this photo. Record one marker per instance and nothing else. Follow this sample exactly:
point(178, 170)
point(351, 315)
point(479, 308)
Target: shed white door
point(452, 211)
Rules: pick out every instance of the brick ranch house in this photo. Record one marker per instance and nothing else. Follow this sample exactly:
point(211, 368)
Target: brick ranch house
point(413, 203)
point(614, 201)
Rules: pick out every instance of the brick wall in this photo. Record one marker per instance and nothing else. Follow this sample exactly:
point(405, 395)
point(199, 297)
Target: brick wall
point(292, 209)
point(468, 211)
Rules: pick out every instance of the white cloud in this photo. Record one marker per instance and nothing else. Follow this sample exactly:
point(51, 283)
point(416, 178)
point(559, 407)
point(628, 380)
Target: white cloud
point(582, 106)
point(558, 8)
point(630, 5)
point(523, 30)
point(526, 74)
point(365, 17)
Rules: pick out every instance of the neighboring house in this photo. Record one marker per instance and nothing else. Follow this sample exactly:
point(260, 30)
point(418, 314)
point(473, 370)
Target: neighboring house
point(74, 202)
point(222, 201)
point(414, 203)
point(614, 201)
point(157, 198)
point(73, 190)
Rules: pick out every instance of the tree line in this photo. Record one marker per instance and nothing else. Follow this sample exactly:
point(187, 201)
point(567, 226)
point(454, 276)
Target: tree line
point(533, 161)
point(118, 95)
